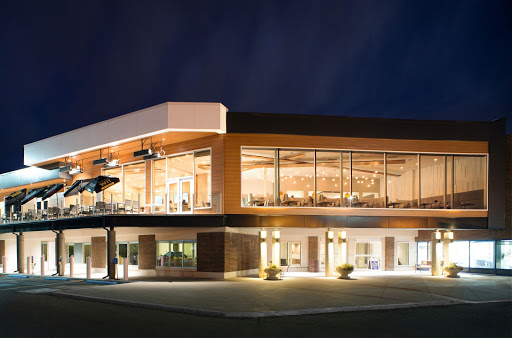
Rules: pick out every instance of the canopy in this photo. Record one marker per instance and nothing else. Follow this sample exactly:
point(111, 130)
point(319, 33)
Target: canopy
point(77, 187)
point(33, 193)
point(15, 197)
point(101, 183)
point(52, 190)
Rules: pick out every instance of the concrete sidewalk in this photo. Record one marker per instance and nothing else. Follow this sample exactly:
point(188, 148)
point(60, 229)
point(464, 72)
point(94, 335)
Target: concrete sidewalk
point(254, 297)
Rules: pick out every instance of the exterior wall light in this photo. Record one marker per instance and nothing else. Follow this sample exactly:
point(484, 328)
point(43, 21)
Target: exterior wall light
point(263, 234)
point(342, 236)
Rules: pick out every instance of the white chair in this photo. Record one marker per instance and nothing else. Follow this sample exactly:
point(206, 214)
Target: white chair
point(128, 206)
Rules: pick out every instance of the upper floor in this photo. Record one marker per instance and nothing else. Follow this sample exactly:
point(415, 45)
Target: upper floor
point(179, 158)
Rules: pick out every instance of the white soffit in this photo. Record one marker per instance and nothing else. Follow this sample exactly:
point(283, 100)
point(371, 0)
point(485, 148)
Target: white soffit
point(169, 116)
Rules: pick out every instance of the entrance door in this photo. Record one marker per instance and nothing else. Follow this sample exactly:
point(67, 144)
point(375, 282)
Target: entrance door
point(294, 254)
point(365, 251)
point(180, 196)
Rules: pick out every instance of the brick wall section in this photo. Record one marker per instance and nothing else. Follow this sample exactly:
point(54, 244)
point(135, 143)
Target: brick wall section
point(147, 252)
point(313, 254)
point(2, 249)
point(226, 251)
point(99, 252)
point(465, 235)
point(390, 254)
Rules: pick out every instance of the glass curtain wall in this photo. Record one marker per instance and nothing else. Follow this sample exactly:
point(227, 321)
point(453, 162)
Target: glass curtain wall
point(432, 177)
point(326, 178)
point(180, 166)
point(116, 191)
point(258, 176)
point(470, 182)
point(368, 189)
point(297, 178)
point(504, 255)
point(423, 254)
point(459, 253)
point(202, 179)
point(402, 180)
point(159, 179)
point(482, 254)
point(329, 179)
point(135, 187)
point(176, 253)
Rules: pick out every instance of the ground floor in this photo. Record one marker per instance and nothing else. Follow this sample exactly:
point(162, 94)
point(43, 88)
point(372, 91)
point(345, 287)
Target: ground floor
point(223, 252)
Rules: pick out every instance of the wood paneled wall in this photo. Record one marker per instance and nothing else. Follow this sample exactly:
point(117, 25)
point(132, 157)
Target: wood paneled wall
point(232, 168)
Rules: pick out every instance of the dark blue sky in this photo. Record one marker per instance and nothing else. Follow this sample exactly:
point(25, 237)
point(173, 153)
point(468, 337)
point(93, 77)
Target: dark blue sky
point(67, 64)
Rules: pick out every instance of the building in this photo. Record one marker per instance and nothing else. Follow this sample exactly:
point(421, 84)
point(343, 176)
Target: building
point(192, 190)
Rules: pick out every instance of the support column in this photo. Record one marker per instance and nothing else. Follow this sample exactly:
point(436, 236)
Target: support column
point(329, 253)
point(434, 253)
point(447, 241)
point(111, 253)
point(20, 250)
point(276, 248)
point(60, 252)
point(342, 247)
point(313, 253)
point(147, 250)
point(389, 250)
point(263, 253)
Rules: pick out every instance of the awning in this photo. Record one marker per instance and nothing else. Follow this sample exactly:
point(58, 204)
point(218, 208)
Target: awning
point(15, 197)
point(33, 193)
point(101, 183)
point(77, 187)
point(52, 190)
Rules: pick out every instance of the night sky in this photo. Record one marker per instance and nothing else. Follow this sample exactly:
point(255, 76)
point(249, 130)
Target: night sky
point(67, 64)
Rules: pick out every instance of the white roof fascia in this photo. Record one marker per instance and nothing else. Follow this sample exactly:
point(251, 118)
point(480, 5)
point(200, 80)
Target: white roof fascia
point(169, 116)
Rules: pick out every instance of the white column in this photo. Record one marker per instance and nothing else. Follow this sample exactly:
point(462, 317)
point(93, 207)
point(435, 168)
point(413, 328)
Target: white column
point(29, 266)
point(125, 269)
point(329, 253)
point(342, 247)
point(4, 264)
point(263, 253)
point(276, 248)
point(42, 265)
point(447, 242)
point(72, 266)
point(88, 267)
point(435, 248)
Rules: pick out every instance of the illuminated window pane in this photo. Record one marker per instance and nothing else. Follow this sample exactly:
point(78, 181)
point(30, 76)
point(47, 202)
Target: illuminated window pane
point(329, 178)
point(258, 176)
point(115, 192)
point(459, 253)
point(297, 178)
point(470, 182)
point(403, 253)
point(433, 173)
point(180, 166)
point(482, 254)
point(402, 180)
point(134, 186)
point(504, 255)
point(202, 180)
point(367, 180)
point(159, 193)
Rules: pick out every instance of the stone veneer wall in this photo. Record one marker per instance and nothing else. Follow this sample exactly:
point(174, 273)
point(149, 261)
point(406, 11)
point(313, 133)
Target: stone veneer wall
point(147, 252)
point(227, 251)
point(313, 253)
point(99, 252)
point(390, 254)
point(465, 235)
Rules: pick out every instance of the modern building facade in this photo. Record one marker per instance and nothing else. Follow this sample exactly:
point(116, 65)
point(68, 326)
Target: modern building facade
point(192, 190)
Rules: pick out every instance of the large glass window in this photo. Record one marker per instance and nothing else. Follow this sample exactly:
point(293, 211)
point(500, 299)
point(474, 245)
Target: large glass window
point(423, 253)
point(367, 180)
point(176, 253)
point(470, 182)
point(459, 253)
point(402, 253)
point(297, 178)
point(329, 178)
point(366, 251)
point(202, 179)
point(363, 179)
point(482, 254)
point(258, 177)
point(134, 187)
point(115, 192)
point(504, 255)
point(180, 166)
point(402, 180)
point(159, 179)
point(432, 177)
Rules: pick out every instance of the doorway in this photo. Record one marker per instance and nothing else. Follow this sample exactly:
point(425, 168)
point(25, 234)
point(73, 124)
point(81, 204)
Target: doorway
point(180, 195)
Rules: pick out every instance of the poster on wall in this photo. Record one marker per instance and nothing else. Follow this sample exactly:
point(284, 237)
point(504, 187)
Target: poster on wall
point(373, 264)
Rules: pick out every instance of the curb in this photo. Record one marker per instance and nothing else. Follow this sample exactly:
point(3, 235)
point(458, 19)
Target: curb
point(267, 314)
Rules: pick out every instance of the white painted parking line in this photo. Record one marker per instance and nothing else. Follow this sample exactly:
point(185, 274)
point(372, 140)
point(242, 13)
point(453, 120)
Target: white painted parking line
point(43, 290)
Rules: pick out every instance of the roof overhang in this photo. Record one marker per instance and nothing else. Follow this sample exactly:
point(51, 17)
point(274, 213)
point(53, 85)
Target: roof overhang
point(165, 117)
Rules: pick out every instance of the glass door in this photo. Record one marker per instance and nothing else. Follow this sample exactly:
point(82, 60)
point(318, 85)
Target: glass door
point(294, 254)
point(179, 192)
